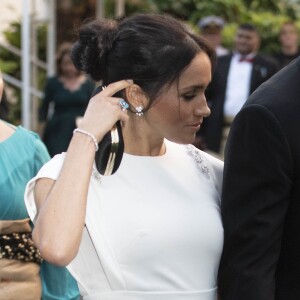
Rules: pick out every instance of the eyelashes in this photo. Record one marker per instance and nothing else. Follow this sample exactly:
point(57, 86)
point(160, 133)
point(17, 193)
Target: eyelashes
point(188, 97)
point(191, 94)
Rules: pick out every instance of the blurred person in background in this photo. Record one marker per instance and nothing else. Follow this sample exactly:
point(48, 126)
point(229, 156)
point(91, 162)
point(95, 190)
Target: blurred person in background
point(289, 44)
point(236, 76)
point(23, 273)
point(211, 28)
point(69, 92)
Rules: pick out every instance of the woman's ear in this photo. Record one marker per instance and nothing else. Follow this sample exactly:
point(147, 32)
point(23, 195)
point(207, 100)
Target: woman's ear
point(136, 96)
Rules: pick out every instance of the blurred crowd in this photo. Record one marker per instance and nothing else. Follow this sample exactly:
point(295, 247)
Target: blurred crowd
point(238, 73)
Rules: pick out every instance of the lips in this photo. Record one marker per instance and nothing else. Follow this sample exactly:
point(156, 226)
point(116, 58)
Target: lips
point(197, 124)
point(194, 127)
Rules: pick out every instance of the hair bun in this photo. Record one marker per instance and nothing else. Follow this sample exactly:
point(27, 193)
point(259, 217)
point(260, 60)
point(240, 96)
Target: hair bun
point(95, 40)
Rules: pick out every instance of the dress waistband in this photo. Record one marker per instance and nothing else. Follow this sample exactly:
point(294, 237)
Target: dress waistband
point(210, 294)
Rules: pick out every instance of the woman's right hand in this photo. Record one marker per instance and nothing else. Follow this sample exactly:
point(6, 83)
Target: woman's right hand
point(104, 110)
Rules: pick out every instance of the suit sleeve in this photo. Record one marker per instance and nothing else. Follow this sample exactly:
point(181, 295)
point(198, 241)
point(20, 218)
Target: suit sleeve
point(255, 198)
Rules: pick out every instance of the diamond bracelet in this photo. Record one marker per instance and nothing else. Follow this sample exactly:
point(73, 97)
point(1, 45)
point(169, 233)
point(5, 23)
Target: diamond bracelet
point(90, 135)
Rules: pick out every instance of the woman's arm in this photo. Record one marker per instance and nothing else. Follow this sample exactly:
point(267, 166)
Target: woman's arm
point(61, 204)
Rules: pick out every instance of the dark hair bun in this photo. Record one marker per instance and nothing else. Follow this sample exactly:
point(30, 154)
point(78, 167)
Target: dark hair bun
point(95, 40)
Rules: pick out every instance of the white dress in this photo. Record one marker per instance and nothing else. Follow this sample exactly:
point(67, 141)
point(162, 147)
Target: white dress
point(153, 229)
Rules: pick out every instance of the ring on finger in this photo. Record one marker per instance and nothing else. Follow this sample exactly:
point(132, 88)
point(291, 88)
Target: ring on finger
point(123, 104)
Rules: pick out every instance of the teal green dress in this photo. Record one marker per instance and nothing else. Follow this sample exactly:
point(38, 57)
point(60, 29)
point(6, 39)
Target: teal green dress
point(21, 157)
point(66, 107)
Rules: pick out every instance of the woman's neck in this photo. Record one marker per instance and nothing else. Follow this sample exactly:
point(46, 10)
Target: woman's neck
point(72, 82)
point(139, 148)
point(290, 50)
point(138, 141)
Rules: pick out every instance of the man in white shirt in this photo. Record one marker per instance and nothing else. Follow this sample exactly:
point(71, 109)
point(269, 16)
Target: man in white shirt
point(236, 76)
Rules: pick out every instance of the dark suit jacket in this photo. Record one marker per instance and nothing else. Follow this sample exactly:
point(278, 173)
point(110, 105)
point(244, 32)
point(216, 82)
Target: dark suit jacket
point(212, 127)
point(261, 194)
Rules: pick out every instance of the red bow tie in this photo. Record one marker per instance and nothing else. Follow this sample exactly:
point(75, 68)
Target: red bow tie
point(250, 60)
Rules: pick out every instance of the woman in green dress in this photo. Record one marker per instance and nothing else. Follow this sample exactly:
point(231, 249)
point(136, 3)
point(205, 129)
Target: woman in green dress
point(23, 274)
point(69, 92)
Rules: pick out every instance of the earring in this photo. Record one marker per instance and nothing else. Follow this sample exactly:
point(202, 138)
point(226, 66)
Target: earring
point(139, 111)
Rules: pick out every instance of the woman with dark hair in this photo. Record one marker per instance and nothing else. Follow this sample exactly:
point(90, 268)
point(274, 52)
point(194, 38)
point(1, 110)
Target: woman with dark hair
point(152, 230)
point(68, 94)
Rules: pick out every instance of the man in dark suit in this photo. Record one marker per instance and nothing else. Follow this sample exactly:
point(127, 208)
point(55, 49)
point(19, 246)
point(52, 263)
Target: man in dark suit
point(236, 76)
point(261, 194)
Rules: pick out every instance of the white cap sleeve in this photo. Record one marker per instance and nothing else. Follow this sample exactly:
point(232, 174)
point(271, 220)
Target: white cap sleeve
point(50, 170)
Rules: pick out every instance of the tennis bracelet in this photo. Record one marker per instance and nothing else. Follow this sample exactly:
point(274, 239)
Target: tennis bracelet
point(88, 134)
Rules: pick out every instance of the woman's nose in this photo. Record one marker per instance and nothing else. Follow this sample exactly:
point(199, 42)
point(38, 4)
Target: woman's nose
point(207, 111)
point(204, 110)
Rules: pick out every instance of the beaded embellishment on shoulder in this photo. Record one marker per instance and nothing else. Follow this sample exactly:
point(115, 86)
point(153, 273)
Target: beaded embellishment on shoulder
point(96, 175)
point(196, 155)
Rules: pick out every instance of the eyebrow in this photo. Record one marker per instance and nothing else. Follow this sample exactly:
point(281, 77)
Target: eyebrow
point(193, 87)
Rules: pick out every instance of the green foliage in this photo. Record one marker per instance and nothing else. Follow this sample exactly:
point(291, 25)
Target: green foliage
point(8, 66)
point(13, 34)
point(263, 5)
point(267, 15)
point(42, 42)
point(131, 7)
point(10, 63)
